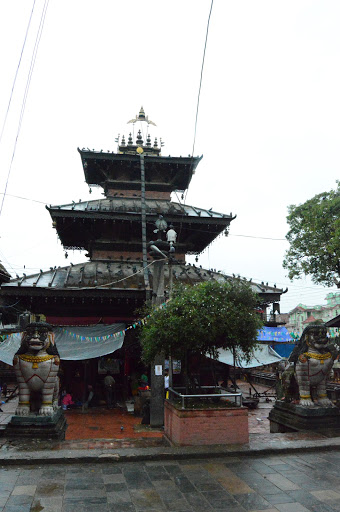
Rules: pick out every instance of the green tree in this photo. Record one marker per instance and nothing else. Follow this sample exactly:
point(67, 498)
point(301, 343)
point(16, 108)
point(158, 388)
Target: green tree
point(201, 319)
point(314, 238)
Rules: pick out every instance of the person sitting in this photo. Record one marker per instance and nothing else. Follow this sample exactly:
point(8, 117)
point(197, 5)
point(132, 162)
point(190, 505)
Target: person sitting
point(143, 383)
point(66, 401)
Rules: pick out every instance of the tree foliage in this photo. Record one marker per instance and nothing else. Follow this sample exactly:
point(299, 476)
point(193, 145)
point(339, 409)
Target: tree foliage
point(203, 318)
point(314, 238)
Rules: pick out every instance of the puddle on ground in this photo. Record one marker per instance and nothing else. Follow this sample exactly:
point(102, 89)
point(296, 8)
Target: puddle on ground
point(37, 507)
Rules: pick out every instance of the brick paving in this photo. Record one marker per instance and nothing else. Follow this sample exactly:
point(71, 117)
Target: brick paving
point(285, 483)
point(100, 428)
point(101, 423)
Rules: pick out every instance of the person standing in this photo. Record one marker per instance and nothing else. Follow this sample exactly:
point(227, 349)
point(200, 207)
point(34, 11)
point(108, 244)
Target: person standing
point(109, 384)
point(166, 383)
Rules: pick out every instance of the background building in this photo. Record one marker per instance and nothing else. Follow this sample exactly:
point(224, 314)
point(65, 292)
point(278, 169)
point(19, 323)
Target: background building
point(301, 315)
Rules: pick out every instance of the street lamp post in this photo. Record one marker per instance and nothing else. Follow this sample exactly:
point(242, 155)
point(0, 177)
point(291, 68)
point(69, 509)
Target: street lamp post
point(162, 251)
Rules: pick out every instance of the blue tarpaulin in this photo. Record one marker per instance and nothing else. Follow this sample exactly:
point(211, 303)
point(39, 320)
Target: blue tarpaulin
point(277, 334)
point(283, 349)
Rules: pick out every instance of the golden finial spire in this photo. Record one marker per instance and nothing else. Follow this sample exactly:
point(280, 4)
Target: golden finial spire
point(141, 117)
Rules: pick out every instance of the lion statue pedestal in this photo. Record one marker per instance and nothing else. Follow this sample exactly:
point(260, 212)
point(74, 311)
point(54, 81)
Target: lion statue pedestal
point(36, 366)
point(305, 405)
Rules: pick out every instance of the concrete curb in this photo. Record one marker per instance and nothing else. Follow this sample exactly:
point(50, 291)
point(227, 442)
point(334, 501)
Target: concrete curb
point(43, 457)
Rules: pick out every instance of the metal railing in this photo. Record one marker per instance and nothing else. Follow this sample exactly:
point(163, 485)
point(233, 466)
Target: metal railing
point(219, 393)
point(272, 318)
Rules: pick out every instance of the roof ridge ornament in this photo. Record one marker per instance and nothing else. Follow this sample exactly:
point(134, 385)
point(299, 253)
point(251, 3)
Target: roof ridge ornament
point(142, 117)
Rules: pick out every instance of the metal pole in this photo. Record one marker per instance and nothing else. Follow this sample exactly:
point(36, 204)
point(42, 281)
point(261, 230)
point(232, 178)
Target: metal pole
point(143, 211)
point(234, 357)
point(170, 293)
point(157, 381)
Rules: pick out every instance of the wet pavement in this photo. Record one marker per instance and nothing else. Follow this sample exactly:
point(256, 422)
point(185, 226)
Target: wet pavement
point(285, 483)
point(110, 462)
point(100, 435)
point(97, 424)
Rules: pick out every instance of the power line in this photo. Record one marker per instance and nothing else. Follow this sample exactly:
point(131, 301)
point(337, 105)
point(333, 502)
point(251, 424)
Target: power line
point(6, 261)
point(11, 306)
point(28, 82)
point(200, 230)
point(288, 284)
point(262, 237)
point(24, 198)
point(16, 73)
point(200, 85)
point(198, 99)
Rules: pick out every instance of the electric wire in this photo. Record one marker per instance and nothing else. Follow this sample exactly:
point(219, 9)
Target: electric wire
point(24, 198)
point(8, 264)
point(16, 73)
point(182, 204)
point(247, 236)
point(11, 305)
point(23, 106)
point(298, 292)
point(198, 99)
point(201, 77)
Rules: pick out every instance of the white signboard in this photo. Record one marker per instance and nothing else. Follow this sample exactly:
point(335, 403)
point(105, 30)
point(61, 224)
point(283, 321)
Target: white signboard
point(158, 369)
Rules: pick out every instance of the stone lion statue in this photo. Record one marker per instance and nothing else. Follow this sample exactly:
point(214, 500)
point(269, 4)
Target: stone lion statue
point(36, 366)
point(313, 360)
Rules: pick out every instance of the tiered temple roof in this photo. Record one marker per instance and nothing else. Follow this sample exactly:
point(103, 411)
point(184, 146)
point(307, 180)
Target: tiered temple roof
point(113, 282)
point(113, 288)
point(114, 224)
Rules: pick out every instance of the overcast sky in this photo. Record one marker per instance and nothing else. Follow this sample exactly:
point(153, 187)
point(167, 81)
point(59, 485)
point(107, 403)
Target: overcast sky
point(268, 124)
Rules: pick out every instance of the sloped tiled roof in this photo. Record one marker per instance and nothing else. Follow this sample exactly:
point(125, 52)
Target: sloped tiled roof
point(309, 320)
point(119, 275)
point(130, 205)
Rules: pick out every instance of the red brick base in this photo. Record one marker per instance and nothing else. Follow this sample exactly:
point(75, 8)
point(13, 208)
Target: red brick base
point(202, 427)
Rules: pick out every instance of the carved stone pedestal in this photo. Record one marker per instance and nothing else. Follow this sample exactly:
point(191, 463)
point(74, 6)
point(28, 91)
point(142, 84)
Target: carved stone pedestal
point(286, 417)
point(37, 427)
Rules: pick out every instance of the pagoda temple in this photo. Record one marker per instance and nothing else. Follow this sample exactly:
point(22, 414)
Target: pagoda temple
point(137, 183)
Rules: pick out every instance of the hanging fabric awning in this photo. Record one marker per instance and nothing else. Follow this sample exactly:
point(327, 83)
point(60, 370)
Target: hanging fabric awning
point(262, 355)
point(78, 343)
point(9, 347)
point(74, 343)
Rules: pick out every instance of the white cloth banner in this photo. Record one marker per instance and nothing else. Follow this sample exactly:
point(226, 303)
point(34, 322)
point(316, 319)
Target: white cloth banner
point(9, 347)
point(74, 343)
point(261, 356)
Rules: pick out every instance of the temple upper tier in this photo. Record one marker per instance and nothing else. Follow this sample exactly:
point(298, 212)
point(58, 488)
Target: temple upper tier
point(120, 173)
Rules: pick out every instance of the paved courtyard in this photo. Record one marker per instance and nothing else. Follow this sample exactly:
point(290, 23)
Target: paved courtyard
point(289, 483)
point(99, 423)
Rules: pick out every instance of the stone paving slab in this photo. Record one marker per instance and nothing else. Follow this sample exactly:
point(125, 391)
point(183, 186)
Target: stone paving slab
point(176, 485)
point(12, 454)
point(147, 445)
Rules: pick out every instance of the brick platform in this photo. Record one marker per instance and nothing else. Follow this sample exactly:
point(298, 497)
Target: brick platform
point(204, 427)
point(100, 423)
